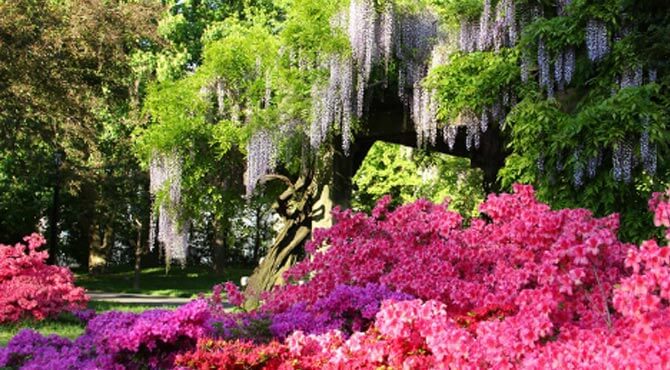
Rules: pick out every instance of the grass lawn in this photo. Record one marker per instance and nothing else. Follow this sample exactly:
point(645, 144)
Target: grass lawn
point(66, 325)
point(185, 283)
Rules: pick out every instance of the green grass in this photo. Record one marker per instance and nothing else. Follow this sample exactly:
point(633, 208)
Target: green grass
point(66, 325)
point(101, 306)
point(66, 328)
point(184, 283)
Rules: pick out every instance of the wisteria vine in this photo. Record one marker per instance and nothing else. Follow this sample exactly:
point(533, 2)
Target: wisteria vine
point(165, 172)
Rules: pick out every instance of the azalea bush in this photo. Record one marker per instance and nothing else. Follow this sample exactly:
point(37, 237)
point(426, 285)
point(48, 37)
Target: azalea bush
point(114, 340)
point(522, 286)
point(424, 250)
point(29, 288)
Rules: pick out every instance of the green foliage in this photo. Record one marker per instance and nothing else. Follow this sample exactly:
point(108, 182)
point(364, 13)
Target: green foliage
point(67, 86)
point(307, 28)
point(557, 33)
point(473, 81)
point(178, 110)
point(455, 11)
point(408, 174)
point(550, 135)
point(593, 116)
point(23, 196)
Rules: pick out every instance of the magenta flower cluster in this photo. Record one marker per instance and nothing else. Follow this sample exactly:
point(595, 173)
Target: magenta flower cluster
point(29, 288)
point(423, 250)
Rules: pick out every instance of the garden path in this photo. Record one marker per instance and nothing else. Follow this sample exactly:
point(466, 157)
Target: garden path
point(139, 299)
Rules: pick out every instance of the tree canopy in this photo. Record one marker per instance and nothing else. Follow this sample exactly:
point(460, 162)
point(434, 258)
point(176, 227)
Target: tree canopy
point(298, 80)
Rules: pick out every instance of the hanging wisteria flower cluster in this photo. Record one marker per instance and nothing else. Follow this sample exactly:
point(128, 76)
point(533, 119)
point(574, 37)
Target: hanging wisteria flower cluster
point(545, 73)
point(563, 68)
point(632, 77)
point(449, 133)
point(472, 124)
point(338, 101)
point(597, 40)
point(423, 111)
point(261, 148)
point(165, 171)
point(495, 29)
point(375, 39)
point(578, 168)
point(261, 158)
point(623, 157)
point(623, 161)
point(333, 103)
point(414, 48)
point(227, 99)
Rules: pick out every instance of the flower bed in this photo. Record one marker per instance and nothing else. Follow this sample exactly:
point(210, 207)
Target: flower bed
point(522, 287)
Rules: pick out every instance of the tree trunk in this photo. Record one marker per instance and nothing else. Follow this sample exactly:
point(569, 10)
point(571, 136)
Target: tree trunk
point(53, 222)
point(296, 207)
point(304, 206)
point(220, 247)
point(83, 228)
point(138, 256)
point(100, 248)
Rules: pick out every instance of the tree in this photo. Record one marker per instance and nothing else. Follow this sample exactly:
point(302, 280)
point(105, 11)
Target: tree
point(64, 97)
point(408, 174)
point(305, 96)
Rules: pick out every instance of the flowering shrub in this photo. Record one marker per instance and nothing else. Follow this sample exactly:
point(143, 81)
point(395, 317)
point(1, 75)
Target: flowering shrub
point(84, 315)
point(243, 325)
point(235, 297)
point(423, 250)
point(660, 205)
point(115, 340)
point(31, 351)
point(422, 335)
point(527, 288)
point(346, 308)
point(523, 287)
point(243, 355)
point(29, 288)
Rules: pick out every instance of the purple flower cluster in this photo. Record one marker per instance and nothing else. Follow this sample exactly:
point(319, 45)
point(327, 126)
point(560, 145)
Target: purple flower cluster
point(114, 340)
point(32, 351)
point(84, 315)
point(152, 339)
point(346, 308)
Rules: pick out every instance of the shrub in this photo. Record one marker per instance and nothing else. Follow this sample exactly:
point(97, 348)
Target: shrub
point(423, 250)
point(523, 287)
point(29, 288)
point(115, 340)
point(346, 308)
